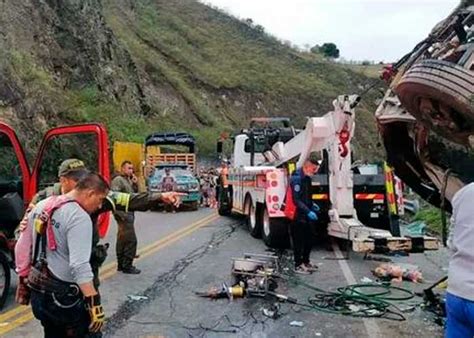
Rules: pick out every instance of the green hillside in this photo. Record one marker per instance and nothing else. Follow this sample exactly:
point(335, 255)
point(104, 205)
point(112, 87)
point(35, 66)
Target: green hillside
point(149, 65)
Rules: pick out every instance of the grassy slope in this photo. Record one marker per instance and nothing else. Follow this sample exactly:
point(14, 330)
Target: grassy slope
point(199, 55)
point(198, 50)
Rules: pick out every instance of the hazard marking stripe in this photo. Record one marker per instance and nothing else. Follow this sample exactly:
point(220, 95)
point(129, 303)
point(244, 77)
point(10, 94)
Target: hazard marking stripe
point(369, 197)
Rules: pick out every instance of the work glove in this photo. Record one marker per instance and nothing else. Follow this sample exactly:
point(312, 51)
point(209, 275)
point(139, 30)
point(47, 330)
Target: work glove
point(315, 207)
point(23, 292)
point(96, 312)
point(312, 216)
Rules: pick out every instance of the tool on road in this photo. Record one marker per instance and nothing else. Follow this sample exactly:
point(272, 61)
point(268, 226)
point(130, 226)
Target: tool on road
point(225, 291)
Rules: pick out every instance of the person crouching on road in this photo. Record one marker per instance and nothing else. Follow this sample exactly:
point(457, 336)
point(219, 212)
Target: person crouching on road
point(460, 295)
point(63, 296)
point(301, 229)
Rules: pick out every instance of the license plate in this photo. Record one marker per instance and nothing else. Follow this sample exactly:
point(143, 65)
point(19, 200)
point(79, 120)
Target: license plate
point(374, 215)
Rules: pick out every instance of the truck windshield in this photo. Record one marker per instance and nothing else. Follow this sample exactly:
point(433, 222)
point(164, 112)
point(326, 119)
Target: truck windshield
point(259, 146)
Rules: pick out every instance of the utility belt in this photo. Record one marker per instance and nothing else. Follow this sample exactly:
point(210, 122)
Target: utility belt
point(64, 294)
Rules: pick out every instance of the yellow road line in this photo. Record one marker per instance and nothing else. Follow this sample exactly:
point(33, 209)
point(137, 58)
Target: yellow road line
point(162, 244)
point(13, 312)
point(113, 265)
point(108, 271)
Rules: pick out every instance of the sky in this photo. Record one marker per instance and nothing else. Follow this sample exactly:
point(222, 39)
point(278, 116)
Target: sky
point(376, 30)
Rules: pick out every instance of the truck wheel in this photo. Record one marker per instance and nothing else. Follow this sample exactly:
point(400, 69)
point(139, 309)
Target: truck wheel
point(252, 218)
point(5, 276)
point(225, 203)
point(275, 231)
point(439, 93)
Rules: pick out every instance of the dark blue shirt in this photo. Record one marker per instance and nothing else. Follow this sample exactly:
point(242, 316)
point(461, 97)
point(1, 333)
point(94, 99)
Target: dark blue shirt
point(302, 196)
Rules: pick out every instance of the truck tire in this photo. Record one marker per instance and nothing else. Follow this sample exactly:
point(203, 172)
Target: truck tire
point(275, 231)
point(252, 218)
point(5, 275)
point(225, 206)
point(433, 90)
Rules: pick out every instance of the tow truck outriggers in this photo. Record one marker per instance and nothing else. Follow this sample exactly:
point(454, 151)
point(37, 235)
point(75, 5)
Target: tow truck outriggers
point(263, 159)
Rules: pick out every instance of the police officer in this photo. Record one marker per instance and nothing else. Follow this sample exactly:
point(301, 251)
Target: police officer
point(306, 214)
point(126, 247)
point(69, 173)
point(63, 295)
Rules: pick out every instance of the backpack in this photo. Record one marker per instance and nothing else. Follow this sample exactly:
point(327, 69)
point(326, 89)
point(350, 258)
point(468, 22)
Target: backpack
point(42, 223)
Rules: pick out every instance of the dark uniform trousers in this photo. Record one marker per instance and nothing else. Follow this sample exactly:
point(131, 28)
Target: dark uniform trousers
point(302, 237)
point(69, 320)
point(126, 247)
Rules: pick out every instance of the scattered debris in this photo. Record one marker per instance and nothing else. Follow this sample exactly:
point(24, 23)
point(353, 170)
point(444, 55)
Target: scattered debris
point(397, 273)
point(369, 257)
point(414, 229)
point(296, 323)
point(318, 334)
point(273, 312)
point(366, 280)
point(137, 297)
point(354, 308)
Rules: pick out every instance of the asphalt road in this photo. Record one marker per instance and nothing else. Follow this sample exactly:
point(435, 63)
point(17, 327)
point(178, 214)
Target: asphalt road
point(192, 251)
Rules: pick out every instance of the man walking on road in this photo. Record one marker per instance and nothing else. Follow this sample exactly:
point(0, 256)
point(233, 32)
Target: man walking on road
point(460, 295)
point(306, 210)
point(126, 247)
point(63, 296)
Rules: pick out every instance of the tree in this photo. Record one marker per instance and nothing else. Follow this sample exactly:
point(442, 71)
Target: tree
point(328, 49)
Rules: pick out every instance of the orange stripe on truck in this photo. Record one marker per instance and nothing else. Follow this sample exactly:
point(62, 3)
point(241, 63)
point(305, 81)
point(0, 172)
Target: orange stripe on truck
point(369, 197)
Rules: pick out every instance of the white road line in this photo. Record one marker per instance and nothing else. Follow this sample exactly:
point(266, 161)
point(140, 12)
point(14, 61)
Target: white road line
point(373, 330)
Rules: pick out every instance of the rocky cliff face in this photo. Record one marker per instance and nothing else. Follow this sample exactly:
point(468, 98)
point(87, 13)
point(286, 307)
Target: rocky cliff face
point(62, 45)
point(144, 65)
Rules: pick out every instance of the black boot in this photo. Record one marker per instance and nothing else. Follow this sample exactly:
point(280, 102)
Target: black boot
point(131, 270)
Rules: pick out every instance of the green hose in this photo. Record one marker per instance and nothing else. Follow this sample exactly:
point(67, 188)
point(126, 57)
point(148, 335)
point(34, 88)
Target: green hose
point(352, 301)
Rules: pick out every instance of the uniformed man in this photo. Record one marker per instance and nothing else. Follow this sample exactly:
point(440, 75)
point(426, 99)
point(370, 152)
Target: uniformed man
point(63, 296)
point(126, 247)
point(69, 173)
point(306, 214)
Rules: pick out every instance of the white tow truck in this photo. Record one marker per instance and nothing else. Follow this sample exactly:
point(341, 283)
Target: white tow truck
point(263, 159)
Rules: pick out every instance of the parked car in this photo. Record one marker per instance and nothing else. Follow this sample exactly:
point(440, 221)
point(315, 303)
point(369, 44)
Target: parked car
point(185, 182)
